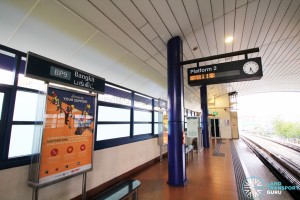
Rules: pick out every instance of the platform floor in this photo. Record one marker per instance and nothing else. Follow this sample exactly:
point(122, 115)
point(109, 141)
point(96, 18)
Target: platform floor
point(209, 177)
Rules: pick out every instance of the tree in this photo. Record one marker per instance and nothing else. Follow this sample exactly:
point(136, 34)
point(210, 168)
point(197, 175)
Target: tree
point(286, 129)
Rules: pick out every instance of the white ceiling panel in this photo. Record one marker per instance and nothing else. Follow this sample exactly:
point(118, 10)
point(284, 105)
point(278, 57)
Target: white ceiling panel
point(161, 59)
point(278, 19)
point(250, 17)
point(286, 20)
point(275, 51)
point(229, 29)
point(271, 12)
point(148, 11)
point(229, 6)
point(259, 19)
point(158, 43)
point(148, 31)
point(97, 54)
point(60, 37)
point(178, 10)
point(157, 66)
point(120, 20)
point(211, 38)
point(105, 25)
point(133, 14)
point(293, 26)
point(125, 41)
point(205, 11)
point(166, 15)
point(201, 38)
point(217, 8)
point(240, 3)
point(239, 27)
point(220, 33)
point(12, 14)
point(192, 10)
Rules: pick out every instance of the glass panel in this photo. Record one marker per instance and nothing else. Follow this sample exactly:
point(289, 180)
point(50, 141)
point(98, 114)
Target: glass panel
point(114, 99)
point(158, 127)
point(116, 95)
point(113, 114)
point(1, 103)
point(111, 131)
point(31, 83)
point(142, 116)
point(6, 77)
point(141, 101)
point(21, 140)
point(29, 106)
point(158, 116)
point(140, 129)
point(6, 67)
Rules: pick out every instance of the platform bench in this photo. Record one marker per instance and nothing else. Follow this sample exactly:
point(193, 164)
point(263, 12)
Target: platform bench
point(122, 190)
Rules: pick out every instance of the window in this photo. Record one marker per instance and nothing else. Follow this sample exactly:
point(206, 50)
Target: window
point(7, 61)
point(113, 123)
point(142, 122)
point(112, 131)
point(115, 95)
point(158, 122)
point(21, 140)
point(29, 106)
point(1, 103)
point(106, 114)
point(141, 101)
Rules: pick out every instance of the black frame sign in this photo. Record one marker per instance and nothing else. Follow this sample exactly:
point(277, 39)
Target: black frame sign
point(42, 68)
point(241, 70)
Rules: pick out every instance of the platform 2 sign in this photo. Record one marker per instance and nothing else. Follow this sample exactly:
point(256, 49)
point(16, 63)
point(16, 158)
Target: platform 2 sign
point(241, 70)
point(42, 68)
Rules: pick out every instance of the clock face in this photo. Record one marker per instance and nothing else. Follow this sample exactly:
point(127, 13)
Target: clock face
point(250, 67)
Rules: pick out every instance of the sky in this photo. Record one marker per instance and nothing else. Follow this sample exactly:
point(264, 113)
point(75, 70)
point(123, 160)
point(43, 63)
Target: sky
point(283, 104)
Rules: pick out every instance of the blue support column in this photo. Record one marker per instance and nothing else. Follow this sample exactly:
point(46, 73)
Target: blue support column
point(204, 116)
point(176, 148)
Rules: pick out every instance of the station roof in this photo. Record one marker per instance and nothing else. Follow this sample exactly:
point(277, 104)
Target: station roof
point(124, 41)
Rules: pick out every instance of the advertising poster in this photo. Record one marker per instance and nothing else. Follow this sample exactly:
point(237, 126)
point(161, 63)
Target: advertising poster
point(165, 129)
point(67, 144)
point(192, 126)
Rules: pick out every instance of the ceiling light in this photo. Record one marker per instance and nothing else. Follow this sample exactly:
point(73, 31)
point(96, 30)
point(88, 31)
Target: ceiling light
point(229, 39)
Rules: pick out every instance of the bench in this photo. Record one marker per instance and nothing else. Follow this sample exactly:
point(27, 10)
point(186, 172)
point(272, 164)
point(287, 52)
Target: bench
point(122, 190)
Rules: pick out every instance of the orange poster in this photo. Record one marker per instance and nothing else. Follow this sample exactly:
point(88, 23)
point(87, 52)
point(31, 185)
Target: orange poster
point(67, 144)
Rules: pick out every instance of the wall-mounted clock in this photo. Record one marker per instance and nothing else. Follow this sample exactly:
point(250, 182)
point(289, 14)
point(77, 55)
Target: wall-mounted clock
point(251, 67)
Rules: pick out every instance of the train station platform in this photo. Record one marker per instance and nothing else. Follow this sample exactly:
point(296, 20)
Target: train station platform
point(210, 176)
point(213, 174)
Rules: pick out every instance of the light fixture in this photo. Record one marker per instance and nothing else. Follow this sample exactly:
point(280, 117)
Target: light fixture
point(229, 39)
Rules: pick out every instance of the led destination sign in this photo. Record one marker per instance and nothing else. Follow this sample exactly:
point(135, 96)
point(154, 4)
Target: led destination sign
point(242, 70)
point(51, 71)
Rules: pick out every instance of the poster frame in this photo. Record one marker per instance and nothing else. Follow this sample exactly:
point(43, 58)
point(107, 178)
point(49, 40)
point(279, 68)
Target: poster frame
point(35, 184)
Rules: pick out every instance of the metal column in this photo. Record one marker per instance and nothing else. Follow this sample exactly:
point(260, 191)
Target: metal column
point(176, 148)
point(204, 116)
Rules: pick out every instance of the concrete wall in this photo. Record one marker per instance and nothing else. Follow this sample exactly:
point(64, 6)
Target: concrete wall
point(221, 105)
point(108, 164)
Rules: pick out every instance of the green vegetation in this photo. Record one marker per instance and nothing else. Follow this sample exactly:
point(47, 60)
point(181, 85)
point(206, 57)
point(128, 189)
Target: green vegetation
point(286, 129)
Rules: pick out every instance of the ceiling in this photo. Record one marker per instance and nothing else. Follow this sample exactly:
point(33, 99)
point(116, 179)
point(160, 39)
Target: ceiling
point(124, 41)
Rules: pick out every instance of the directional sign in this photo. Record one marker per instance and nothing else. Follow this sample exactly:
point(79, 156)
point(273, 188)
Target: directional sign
point(52, 71)
point(242, 70)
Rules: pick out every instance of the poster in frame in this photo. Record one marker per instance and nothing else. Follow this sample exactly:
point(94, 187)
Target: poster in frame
point(67, 144)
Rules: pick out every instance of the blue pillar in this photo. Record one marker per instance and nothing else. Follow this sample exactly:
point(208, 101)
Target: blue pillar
point(204, 116)
point(176, 149)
